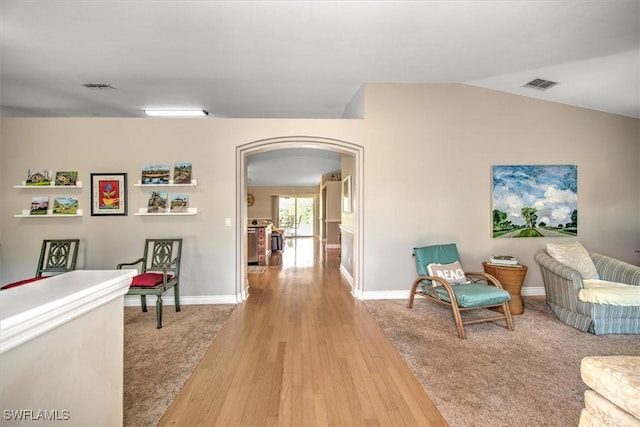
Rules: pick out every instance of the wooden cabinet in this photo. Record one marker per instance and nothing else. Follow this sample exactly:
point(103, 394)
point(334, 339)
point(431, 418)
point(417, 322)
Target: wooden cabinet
point(262, 242)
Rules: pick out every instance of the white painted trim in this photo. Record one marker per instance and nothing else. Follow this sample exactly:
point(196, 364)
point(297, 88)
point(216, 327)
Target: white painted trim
point(527, 291)
point(385, 295)
point(31, 311)
point(349, 279)
point(531, 291)
point(167, 300)
point(279, 143)
point(134, 300)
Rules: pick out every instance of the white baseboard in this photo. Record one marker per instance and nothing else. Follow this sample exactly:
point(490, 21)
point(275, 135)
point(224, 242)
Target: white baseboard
point(533, 291)
point(346, 275)
point(134, 300)
point(385, 295)
point(527, 291)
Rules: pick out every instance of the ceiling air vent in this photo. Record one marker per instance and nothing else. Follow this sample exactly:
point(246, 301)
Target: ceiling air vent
point(540, 84)
point(97, 86)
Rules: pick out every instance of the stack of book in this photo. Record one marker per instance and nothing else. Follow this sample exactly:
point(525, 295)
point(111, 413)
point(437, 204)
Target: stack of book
point(504, 260)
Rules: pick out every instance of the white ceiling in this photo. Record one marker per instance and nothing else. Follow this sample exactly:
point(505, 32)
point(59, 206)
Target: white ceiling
point(291, 167)
point(306, 59)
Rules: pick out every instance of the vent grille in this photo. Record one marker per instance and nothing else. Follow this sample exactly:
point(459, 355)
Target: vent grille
point(97, 86)
point(540, 84)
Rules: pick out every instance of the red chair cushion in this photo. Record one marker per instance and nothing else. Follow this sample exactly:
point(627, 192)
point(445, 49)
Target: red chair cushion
point(148, 279)
point(22, 282)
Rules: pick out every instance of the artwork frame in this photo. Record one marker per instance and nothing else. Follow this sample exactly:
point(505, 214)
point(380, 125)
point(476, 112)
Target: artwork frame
point(347, 206)
point(109, 194)
point(534, 201)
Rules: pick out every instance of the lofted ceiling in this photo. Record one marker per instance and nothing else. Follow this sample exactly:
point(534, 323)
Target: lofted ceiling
point(307, 59)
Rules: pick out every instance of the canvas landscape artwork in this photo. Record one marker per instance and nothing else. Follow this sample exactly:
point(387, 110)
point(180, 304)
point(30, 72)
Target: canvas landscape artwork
point(179, 203)
point(66, 178)
point(156, 174)
point(65, 206)
point(39, 205)
point(39, 177)
point(157, 202)
point(182, 173)
point(535, 201)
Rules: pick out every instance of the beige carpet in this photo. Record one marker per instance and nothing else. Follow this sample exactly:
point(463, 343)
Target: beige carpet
point(529, 377)
point(157, 362)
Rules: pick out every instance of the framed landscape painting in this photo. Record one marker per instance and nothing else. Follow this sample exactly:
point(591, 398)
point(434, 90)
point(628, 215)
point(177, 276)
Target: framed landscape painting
point(108, 194)
point(534, 201)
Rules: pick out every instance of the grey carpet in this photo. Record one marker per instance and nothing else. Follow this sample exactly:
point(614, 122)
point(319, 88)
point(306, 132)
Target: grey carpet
point(157, 362)
point(528, 377)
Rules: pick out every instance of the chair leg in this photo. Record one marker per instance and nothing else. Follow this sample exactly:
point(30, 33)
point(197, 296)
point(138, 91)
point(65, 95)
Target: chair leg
point(143, 302)
point(176, 295)
point(412, 294)
point(507, 313)
point(159, 311)
point(458, 319)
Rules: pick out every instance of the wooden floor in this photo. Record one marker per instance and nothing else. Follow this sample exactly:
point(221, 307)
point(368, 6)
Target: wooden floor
point(301, 351)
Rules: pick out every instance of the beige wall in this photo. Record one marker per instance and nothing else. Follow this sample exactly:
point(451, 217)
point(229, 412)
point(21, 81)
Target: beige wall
point(125, 145)
point(428, 153)
point(428, 150)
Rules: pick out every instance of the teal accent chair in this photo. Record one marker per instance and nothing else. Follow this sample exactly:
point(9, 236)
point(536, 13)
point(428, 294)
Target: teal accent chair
point(56, 256)
point(159, 271)
point(482, 291)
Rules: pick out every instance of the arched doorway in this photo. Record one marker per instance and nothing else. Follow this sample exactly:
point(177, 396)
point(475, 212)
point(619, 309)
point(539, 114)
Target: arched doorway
point(279, 143)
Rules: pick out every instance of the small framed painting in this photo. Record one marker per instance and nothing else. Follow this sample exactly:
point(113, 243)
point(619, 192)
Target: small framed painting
point(108, 194)
point(346, 194)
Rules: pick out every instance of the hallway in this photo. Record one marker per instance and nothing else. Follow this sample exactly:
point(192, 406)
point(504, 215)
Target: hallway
point(301, 351)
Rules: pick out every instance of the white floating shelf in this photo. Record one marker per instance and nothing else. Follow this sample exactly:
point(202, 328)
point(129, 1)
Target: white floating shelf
point(193, 183)
point(40, 187)
point(25, 214)
point(143, 211)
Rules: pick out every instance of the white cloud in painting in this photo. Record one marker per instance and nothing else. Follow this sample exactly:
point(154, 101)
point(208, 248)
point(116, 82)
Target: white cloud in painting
point(551, 190)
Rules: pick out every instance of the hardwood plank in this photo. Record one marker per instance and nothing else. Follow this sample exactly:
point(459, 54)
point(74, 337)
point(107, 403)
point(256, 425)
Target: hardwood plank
point(302, 351)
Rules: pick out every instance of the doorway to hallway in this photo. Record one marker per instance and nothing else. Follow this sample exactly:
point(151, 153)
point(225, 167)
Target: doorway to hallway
point(352, 222)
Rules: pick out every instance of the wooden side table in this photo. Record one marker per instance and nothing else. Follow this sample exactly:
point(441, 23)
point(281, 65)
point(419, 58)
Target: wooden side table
point(511, 279)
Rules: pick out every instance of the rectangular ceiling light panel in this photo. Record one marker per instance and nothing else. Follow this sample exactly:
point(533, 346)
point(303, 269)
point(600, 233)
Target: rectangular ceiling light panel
point(176, 113)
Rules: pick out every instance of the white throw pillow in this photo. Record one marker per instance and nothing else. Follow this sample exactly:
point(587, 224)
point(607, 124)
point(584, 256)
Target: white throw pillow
point(452, 273)
point(574, 255)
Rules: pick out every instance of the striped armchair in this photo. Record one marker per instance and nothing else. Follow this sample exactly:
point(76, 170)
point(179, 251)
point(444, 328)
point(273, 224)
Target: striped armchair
point(563, 283)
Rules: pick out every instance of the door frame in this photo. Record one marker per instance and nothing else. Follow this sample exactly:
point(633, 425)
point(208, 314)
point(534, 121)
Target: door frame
point(279, 143)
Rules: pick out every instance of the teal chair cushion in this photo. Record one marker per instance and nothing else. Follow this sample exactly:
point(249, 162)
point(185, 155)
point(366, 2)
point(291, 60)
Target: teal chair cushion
point(441, 254)
point(475, 295)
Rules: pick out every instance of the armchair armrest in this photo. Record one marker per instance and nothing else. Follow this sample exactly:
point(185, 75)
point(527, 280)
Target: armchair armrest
point(556, 268)
point(123, 264)
point(479, 276)
point(561, 283)
point(616, 270)
point(426, 283)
